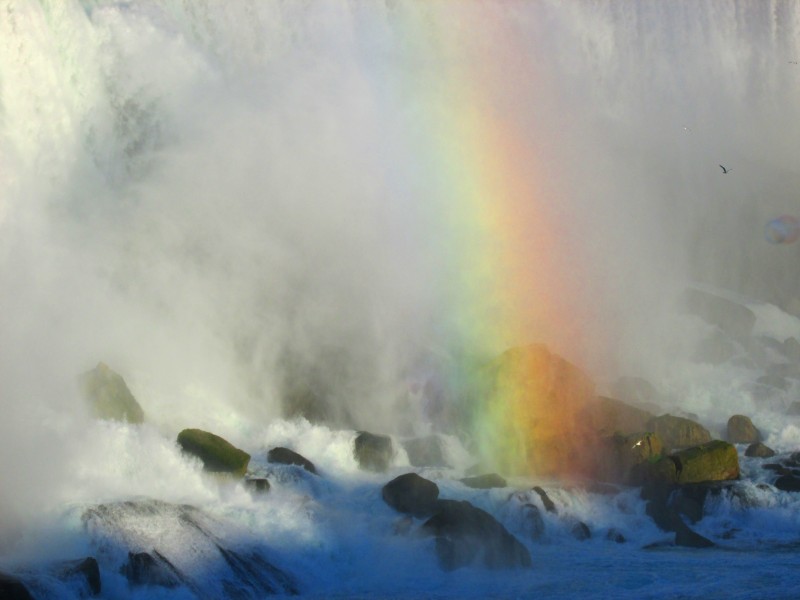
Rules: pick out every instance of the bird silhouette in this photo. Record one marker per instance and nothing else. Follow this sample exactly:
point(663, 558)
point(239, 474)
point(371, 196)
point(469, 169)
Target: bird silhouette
point(724, 170)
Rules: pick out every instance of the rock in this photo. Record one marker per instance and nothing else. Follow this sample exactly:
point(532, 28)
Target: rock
point(548, 504)
point(624, 455)
point(614, 535)
point(759, 450)
point(145, 569)
point(484, 482)
point(425, 452)
point(580, 531)
point(257, 485)
point(742, 431)
point(12, 588)
point(714, 461)
point(217, 455)
point(678, 432)
point(685, 536)
point(284, 456)
point(466, 535)
point(411, 494)
point(373, 452)
point(85, 570)
point(788, 483)
point(109, 397)
point(539, 400)
point(188, 543)
point(731, 317)
point(640, 393)
point(668, 519)
point(608, 416)
point(533, 521)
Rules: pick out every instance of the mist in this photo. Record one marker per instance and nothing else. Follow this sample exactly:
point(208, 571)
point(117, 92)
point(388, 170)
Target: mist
point(231, 203)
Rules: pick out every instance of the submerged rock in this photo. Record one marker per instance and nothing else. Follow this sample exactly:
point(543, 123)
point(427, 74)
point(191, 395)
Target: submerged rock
point(86, 571)
point(548, 504)
point(580, 531)
point(185, 547)
point(788, 483)
point(143, 568)
point(257, 485)
point(218, 455)
point(467, 535)
point(533, 521)
point(284, 456)
point(373, 452)
point(411, 494)
point(484, 482)
point(678, 432)
point(109, 397)
point(742, 431)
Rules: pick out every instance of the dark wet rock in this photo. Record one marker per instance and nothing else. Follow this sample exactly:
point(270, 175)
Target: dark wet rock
point(188, 543)
point(373, 452)
point(467, 535)
point(218, 455)
point(549, 506)
point(85, 571)
point(608, 416)
point(779, 469)
point(614, 535)
point(689, 501)
point(731, 317)
point(108, 396)
point(257, 485)
point(284, 456)
point(411, 494)
point(580, 531)
point(12, 588)
point(742, 431)
point(788, 483)
point(426, 451)
point(668, 519)
point(678, 432)
point(143, 568)
point(533, 522)
point(484, 482)
point(759, 450)
point(624, 455)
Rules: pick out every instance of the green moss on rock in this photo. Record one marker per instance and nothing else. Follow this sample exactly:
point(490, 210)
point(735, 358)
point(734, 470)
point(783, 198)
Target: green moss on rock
point(714, 461)
point(109, 397)
point(217, 454)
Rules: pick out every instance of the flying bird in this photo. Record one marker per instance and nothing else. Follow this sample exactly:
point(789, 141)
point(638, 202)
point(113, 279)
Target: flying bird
point(724, 170)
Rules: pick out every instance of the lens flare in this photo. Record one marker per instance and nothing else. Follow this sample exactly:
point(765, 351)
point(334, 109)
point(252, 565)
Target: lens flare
point(783, 230)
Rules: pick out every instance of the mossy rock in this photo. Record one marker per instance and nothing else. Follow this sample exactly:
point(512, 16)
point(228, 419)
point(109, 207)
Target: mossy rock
point(217, 454)
point(714, 461)
point(678, 432)
point(109, 397)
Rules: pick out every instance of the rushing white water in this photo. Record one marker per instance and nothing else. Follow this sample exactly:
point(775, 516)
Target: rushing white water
point(221, 199)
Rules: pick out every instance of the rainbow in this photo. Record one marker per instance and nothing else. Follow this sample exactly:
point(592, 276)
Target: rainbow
point(513, 278)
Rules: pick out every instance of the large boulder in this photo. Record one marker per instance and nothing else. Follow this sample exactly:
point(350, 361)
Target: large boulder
point(467, 535)
point(731, 317)
point(625, 456)
point(535, 401)
point(373, 452)
point(484, 482)
point(109, 397)
point(608, 416)
point(411, 494)
point(678, 432)
point(218, 455)
point(714, 461)
point(742, 431)
point(759, 450)
point(284, 456)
